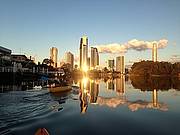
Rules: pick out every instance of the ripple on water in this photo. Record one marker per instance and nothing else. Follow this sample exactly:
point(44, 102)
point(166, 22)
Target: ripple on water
point(19, 106)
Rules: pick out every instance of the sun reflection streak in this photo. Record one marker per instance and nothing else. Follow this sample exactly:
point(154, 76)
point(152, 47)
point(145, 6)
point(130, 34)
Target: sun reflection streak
point(85, 68)
point(84, 81)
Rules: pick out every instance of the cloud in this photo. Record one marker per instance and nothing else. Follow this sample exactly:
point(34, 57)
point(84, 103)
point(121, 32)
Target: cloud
point(111, 48)
point(175, 58)
point(134, 44)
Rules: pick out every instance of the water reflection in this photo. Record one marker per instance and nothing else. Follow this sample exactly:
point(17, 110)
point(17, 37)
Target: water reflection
point(133, 105)
point(89, 90)
point(60, 98)
point(120, 85)
point(24, 85)
point(89, 93)
point(94, 91)
point(115, 97)
point(83, 95)
point(155, 98)
point(154, 104)
point(110, 84)
point(159, 83)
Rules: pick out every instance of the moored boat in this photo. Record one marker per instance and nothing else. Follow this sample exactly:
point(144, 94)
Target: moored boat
point(60, 89)
point(75, 87)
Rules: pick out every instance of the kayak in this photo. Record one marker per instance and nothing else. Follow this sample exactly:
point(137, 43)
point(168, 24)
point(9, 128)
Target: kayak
point(60, 89)
point(42, 131)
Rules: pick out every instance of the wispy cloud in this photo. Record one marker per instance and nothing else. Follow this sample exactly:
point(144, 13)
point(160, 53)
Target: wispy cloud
point(134, 44)
point(175, 58)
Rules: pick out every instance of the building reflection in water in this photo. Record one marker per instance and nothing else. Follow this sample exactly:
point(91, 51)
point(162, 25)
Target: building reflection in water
point(120, 85)
point(110, 84)
point(155, 98)
point(5, 88)
point(132, 105)
point(89, 90)
point(84, 94)
point(94, 91)
point(142, 104)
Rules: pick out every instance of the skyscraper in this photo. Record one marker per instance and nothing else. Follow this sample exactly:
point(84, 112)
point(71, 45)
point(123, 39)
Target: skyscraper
point(53, 56)
point(94, 57)
point(83, 52)
point(154, 52)
point(111, 64)
point(69, 58)
point(88, 62)
point(120, 64)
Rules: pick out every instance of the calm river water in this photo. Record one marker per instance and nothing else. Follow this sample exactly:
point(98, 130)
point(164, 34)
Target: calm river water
point(101, 107)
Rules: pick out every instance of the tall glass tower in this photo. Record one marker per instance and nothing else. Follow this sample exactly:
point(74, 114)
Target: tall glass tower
point(69, 58)
point(94, 57)
point(154, 52)
point(83, 52)
point(120, 66)
point(53, 56)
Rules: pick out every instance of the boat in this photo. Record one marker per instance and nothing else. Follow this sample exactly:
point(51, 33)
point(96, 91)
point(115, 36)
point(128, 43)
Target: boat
point(75, 87)
point(37, 87)
point(42, 131)
point(60, 89)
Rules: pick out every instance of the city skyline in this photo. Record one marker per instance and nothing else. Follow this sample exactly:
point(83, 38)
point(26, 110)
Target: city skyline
point(37, 26)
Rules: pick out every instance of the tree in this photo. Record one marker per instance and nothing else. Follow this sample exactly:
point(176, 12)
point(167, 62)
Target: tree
point(155, 68)
point(47, 61)
point(105, 69)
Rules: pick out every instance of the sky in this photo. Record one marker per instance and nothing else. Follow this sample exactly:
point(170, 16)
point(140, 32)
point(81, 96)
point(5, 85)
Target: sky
point(31, 27)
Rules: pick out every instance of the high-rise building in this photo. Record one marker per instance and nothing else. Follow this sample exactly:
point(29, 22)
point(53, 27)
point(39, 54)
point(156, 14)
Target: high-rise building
point(83, 52)
point(88, 62)
point(154, 52)
point(120, 64)
point(69, 58)
point(53, 56)
point(94, 57)
point(111, 64)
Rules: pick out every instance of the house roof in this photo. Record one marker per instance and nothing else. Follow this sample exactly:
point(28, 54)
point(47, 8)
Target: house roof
point(5, 50)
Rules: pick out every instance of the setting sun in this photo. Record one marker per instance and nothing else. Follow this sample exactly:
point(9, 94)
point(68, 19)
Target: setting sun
point(85, 68)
